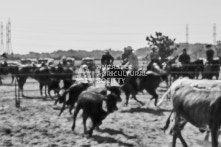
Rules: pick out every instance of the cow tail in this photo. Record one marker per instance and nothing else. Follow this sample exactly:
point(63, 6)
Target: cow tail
point(163, 97)
point(167, 122)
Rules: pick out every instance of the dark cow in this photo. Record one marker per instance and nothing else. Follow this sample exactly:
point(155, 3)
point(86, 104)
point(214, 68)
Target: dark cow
point(67, 83)
point(42, 75)
point(212, 69)
point(22, 76)
point(198, 105)
point(74, 91)
point(91, 102)
point(195, 68)
point(53, 85)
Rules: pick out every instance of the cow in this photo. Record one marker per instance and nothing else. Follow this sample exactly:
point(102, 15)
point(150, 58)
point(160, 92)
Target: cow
point(22, 76)
point(74, 91)
point(42, 75)
point(203, 84)
point(198, 106)
point(53, 85)
point(91, 102)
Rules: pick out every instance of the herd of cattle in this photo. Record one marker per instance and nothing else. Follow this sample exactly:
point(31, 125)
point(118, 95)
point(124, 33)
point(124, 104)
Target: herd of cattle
point(195, 101)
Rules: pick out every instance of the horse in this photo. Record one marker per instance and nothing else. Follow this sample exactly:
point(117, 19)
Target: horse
point(141, 80)
point(23, 74)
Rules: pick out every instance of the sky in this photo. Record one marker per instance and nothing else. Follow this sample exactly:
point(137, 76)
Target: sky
point(50, 25)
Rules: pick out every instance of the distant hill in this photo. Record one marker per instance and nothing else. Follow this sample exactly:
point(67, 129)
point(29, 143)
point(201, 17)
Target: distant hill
point(195, 50)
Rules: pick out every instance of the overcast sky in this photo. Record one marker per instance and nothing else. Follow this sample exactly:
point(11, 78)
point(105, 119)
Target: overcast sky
point(49, 25)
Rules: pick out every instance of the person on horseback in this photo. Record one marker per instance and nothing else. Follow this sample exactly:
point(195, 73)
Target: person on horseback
point(208, 68)
point(209, 54)
point(64, 61)
point(184, 59)
point(124, 56)
point(106, 60)
point(154, 58)
point(132, 66)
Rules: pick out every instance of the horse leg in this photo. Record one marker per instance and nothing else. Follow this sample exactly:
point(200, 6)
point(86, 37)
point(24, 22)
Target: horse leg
point(127, 98)
point(0, 80)
point(13, 77)
point(135, 98)
point(49, 93)
point(41, 87)
point(45, 90)
point(154, 94)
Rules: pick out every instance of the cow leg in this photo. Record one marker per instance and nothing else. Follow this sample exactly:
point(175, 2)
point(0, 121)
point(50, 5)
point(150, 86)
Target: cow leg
point(214, 136)
point(13, 77)
point(95, 123)
point(56, 101)
point(127, 98)
point(22, 90)
point(75, 115)
point(85, 116)
point(62, 109)
point(41, 87)
point(0, 80)
point(206, 138)
point(71, 107)
point(177, 132)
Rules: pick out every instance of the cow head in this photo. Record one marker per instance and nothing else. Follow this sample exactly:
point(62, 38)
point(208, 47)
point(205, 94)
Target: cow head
point(115, 90)
point(111, 103)
point(62, 96)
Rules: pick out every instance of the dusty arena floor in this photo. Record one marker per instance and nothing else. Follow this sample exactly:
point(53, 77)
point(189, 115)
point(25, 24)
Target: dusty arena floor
point(36, 124)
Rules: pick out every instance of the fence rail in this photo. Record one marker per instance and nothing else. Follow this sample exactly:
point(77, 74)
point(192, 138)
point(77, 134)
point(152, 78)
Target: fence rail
point(11, 90)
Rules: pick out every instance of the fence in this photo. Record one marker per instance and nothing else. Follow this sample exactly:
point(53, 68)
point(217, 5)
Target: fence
point(10, 91)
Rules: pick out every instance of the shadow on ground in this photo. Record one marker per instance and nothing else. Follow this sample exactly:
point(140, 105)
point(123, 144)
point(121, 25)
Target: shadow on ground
point(146, 110)
point(115, 132)
point(101, 139)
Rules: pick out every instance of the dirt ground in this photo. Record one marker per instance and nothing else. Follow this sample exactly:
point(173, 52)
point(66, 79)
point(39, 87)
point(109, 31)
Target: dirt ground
point(37, 123)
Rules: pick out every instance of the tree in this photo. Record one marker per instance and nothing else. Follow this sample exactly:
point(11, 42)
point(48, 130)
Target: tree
point(165, 45)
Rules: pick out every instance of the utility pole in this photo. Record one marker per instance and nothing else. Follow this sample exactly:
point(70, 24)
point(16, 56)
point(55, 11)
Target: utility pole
point(8, 38)
point(214, 34)
point(2, 43)
point(187, 36)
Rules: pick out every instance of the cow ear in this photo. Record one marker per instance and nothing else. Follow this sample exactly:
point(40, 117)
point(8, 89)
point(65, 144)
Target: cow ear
point(108, 92)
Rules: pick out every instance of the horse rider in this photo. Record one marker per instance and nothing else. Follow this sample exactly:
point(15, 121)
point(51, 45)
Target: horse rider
point(64, 61)
point(132, 65)
point(209, 54)
point(184, 59)
point(106, 60)
point(154, 58)
point(124, 57)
